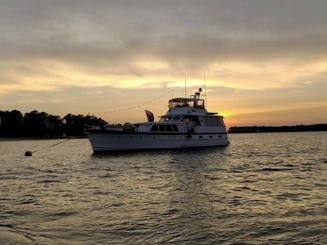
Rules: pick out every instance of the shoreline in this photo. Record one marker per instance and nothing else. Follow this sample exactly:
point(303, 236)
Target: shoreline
point(278, 129)
point(42, 138)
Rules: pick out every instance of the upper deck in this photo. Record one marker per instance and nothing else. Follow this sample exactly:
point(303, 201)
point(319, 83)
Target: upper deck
point(194, 101)
point(188, 102)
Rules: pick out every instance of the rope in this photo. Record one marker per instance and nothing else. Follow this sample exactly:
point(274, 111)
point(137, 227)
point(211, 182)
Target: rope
point(29, 153)
point(58, 143)
point(139, 106)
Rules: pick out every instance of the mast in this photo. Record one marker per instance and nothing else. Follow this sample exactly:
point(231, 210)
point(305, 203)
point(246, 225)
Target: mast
point(205, 90)
point(185, 86)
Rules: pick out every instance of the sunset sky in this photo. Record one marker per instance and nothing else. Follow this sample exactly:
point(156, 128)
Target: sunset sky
point(264, 61)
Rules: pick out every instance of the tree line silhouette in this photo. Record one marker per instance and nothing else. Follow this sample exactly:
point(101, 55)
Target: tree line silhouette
point(41, 124)
point(269, 129)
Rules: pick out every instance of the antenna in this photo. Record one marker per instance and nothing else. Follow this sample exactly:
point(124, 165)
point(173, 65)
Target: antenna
point(205, 90)
point(185, 85)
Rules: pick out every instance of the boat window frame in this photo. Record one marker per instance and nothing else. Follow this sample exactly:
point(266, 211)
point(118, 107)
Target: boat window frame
point(164, 128)
point(190, 119)
point(212, 120)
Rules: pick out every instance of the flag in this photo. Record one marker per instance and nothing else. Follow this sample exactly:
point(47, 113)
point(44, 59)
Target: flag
point(149, 115)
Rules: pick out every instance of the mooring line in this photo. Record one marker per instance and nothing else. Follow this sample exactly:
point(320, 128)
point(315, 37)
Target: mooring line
point(58, 143)
point(30, 153)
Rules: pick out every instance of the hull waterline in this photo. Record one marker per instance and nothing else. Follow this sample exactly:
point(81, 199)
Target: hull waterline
point(101, 142)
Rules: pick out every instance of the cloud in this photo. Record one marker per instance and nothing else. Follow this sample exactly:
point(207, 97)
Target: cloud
point(234, 63)
point(266, 50)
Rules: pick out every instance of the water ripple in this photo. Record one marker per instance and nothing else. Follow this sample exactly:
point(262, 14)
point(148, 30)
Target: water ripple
point(261, 189)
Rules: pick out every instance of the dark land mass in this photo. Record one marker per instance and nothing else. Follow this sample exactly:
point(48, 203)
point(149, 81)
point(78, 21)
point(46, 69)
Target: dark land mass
point(269, 129)
point(34, 124)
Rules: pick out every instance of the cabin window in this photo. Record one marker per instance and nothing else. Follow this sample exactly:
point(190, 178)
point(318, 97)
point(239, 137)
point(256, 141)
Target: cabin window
point(199, 104)
point(191, 119)
point(186, 119)
point(164, 128)
point(212, 121)
point(195, 119)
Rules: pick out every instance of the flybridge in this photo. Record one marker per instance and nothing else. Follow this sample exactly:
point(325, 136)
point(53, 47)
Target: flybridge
point(193, 102)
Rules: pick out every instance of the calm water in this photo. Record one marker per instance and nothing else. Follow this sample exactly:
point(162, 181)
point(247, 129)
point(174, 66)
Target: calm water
point(261, 189)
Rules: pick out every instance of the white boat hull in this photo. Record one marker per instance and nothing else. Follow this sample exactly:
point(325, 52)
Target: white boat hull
point(114, 141)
